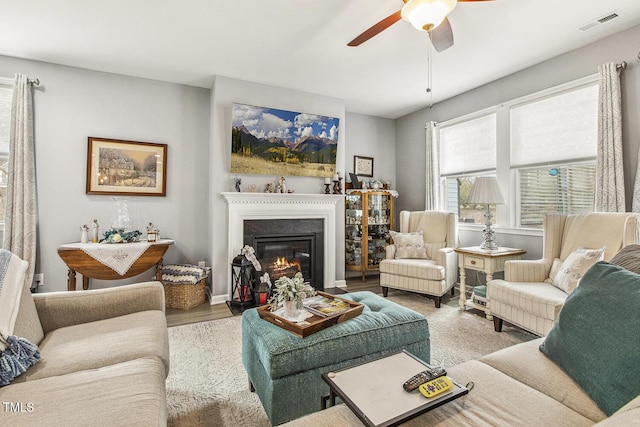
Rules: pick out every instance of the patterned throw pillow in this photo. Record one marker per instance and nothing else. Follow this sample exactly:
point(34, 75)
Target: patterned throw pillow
point(573, 268)
point(409, 245)
point(628, 257)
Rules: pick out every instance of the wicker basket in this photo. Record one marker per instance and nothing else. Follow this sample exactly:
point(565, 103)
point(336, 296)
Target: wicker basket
point(184, 296)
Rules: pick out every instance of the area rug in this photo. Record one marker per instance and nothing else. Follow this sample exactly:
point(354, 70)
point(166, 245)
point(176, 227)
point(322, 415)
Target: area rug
point(207, 384)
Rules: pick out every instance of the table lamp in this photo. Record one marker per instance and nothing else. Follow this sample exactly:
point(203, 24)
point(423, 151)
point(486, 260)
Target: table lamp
point(485, 190)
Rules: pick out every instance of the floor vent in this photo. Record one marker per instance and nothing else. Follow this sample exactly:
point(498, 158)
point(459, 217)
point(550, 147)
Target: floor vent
point(602, 20)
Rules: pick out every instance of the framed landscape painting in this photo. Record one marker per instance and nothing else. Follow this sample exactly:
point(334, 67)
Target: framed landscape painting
point(126, 168)
point(268, 141)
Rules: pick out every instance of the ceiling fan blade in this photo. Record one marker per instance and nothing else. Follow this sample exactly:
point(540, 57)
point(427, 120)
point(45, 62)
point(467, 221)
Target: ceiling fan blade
point(377, 28)
point(442, 36)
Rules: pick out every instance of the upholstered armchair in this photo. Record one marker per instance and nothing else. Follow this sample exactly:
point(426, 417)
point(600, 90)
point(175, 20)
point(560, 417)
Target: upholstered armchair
point(533, 291)
point(430, 268)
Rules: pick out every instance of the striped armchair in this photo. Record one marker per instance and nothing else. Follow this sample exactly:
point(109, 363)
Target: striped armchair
point(433, 276)
point(527, 297)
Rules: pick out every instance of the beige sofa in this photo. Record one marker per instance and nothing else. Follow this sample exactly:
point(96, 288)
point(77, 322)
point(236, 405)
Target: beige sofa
point(516, 386)
point(104, 359)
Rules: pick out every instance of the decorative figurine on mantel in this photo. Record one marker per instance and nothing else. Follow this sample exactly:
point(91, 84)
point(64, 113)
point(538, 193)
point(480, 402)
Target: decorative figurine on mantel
point(237, 181)
point(282, 184)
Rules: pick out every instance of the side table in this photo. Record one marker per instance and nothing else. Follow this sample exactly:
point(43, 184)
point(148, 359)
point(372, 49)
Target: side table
point(78, 260)
point(487, 261)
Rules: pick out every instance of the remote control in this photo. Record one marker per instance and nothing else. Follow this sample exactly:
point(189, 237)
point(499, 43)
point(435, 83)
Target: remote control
point(427, 375)
point(435, 387)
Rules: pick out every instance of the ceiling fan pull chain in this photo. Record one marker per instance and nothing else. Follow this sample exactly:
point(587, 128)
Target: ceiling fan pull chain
point(429, 74)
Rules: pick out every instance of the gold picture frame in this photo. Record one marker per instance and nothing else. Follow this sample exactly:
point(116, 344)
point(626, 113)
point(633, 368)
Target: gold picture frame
point(363, 166)
point(126, 168)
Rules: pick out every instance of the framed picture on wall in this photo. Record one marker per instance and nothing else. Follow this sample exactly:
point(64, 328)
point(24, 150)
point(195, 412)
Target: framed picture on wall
point(126, 168)
point(363, 166)
point(269, 141)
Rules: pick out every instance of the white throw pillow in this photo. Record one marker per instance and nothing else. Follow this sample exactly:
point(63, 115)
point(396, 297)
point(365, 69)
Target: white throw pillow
point(409, 245)
point(572, 269)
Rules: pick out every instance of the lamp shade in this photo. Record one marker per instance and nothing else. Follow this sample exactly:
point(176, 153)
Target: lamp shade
point(485, 190)
point(427, 14)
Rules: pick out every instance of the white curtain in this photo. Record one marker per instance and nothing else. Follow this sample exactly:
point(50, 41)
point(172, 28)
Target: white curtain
point(20, 214)
point(432, 196)
point(609, 170)
point(635, 203)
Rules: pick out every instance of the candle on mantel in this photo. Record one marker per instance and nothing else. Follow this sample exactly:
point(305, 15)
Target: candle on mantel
point(327, 180)
point(263, 299)
point(335, 177)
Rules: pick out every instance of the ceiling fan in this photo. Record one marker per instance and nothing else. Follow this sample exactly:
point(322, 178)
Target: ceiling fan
point(424, 15)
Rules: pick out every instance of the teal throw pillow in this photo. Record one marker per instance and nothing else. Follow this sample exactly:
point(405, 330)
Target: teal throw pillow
point(596, 339)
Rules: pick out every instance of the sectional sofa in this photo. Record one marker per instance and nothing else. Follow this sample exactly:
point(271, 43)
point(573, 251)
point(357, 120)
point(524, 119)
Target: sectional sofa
point(104, 359)
point(585, 372)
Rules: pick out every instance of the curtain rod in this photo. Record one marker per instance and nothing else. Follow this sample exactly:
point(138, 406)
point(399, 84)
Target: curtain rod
point(621, 66)
point(10, 80)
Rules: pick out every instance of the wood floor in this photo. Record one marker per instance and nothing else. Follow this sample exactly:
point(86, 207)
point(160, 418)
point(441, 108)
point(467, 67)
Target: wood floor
point(206, 311)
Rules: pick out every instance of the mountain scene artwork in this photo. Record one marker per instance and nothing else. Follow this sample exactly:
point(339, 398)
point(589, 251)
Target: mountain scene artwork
point(268, 141)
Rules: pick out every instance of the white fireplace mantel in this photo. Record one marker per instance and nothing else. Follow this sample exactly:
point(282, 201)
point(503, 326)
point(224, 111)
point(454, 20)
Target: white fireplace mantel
point(251, 206)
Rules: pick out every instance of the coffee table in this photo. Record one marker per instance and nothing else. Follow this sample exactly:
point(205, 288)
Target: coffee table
point(373, 390)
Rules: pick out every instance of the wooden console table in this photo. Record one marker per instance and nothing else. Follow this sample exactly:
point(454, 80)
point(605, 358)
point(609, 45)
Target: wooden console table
point(79, 261)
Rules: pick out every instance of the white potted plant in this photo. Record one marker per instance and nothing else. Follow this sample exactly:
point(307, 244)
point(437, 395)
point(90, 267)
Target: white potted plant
point(290, 292)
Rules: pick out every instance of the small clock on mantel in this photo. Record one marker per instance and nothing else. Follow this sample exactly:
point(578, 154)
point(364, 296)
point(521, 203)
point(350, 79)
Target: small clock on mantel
point(363, 166)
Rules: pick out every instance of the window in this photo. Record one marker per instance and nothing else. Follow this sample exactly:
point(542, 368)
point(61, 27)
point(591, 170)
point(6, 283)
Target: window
point(541, 147)
point(564, 189)
point(6, 95)
point(458, 169)
point(553, 151)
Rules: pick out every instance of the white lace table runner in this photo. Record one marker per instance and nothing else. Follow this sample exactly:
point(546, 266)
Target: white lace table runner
point(117, 256)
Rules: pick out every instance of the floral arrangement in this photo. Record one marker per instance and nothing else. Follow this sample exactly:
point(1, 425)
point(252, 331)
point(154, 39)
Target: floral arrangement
point(290, 289)
point(118, 235)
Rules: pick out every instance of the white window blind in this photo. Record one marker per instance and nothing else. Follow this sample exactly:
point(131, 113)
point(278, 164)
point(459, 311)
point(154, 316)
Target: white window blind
point(469, 146)
point(565, 189)
point(556, 129)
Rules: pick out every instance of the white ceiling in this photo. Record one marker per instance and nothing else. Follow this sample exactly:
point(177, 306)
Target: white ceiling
point(302, 44)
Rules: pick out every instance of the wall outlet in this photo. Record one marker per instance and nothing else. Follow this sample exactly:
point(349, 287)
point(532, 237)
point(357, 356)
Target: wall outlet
point(38, 279)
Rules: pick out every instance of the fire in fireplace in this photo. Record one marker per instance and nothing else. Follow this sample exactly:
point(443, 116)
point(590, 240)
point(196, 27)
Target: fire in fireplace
point(286, 247)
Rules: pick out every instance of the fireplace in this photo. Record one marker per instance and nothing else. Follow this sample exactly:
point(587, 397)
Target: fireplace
point(257, 206)
point(285, 247)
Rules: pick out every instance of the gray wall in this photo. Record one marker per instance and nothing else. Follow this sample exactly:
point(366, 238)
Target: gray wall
point(372, 137)
point(72, 104)
point(410, 133)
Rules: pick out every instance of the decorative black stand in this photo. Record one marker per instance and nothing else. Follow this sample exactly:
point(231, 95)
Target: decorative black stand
point(242, 284)
point(337, 186)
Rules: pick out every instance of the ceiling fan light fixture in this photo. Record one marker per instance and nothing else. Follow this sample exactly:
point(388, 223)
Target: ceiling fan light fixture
point(425, 15)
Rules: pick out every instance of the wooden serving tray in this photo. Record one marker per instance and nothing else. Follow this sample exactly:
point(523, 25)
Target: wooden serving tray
point(312, 324)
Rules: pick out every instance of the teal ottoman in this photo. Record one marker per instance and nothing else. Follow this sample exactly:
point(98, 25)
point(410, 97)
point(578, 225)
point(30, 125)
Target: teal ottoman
point(285, 370)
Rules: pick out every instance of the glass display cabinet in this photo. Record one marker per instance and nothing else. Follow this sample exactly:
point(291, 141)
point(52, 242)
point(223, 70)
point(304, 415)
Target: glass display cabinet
point(369, 216)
